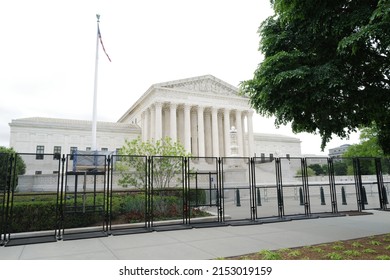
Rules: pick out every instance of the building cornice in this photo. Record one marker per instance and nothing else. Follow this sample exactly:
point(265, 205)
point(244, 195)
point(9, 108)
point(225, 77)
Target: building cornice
point(70, 124)
point(275, 138)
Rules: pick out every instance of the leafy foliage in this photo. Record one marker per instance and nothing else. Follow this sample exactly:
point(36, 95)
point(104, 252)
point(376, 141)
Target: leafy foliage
point(6, 156)
point(368, 146)
point(166, 163)
point(326, 67)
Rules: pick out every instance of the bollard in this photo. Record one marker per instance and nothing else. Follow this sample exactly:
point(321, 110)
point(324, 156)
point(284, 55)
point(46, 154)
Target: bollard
point(364, 195)
point(343, 196)
point(322, 196)
point(384, 192)
point(385, 199)
point(301, 197)
point(238, 201)
point(258, 197)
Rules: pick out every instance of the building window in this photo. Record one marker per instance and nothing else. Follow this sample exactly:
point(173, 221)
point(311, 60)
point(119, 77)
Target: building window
point(40, 152)
point(262, 157)
point(288, 156)
point(271, 157)
point(38, 172)
point(57, 152)
point(88, 149)
point(104, 149)
point(73, 150)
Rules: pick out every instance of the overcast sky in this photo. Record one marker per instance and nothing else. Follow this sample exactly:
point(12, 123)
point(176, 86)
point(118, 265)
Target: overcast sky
point(47, 54)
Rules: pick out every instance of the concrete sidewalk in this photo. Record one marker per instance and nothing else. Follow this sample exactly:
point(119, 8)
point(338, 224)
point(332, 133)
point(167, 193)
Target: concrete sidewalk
point(206, 243)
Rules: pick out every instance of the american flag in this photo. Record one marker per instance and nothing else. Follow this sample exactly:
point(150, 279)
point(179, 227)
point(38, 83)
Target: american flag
point(101, 42)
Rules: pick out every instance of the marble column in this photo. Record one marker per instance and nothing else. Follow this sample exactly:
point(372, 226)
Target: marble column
point(239, 133)
point(214, 129)
point(251, 141)
point(172, 122)
point(194, 133)
point(221, 136)
point(208, 135)
point(201, 148)
point(143, 126)
point(152, 122)
point(165, 122)
point(187, 127)
point(244, 143)
point(158, 125)
point(226, 127)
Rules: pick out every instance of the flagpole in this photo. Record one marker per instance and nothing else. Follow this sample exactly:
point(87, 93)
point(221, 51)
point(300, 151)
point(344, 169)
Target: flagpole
point(94, 112)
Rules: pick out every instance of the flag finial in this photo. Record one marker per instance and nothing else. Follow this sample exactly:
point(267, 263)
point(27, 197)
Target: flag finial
point(98, 17)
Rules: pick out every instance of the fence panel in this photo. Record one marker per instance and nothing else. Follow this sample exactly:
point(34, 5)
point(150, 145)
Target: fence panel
point(265, 191)
point(346, 187)
point(84, 195)
point(204, 191)
point(129, 194)
point(237, 189)
point(32, 214)
point(370, 185)
point(169, 204)
point(292, 186)
point(320, 186)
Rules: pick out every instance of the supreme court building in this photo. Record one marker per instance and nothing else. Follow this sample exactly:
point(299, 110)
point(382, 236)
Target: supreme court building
point(200, 112)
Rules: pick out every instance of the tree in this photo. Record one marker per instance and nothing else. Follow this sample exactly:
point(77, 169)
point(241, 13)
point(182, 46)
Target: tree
point(326, 67)
point(166, 165)
point(8, 155)
point(368, 146)
point(318, 170)
point(366, 150)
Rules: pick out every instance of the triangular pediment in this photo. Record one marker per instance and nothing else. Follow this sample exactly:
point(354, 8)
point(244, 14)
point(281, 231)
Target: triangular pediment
point(206, 84)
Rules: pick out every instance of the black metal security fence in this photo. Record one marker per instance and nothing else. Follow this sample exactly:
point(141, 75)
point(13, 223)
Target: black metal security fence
point(86, 195)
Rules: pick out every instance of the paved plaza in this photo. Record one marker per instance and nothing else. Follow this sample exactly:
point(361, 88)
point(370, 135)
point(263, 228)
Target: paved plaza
point(206, 243)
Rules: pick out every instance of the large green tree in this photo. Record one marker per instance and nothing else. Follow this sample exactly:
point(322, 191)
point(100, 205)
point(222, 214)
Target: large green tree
point(326, 67)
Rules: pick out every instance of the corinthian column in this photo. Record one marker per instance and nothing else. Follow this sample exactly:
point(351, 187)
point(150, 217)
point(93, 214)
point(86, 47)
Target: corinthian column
point(158, 125)
point(208, 134)
point(143, 126)
point(147, 124)
point(152, 122)
point(239, 133)
point(201, 151)
point(214, 128)
point(172, 122)
point(251, 141)
point(187, 127)
point(226, 131)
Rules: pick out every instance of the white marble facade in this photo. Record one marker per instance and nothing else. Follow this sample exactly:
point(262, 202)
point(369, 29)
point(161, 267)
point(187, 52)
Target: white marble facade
point(199, 112)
